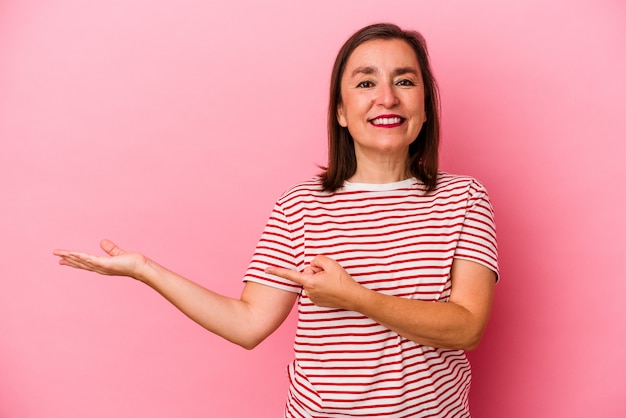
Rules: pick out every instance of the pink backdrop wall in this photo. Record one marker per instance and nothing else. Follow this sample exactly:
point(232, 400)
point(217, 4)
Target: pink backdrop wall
point(171, 127)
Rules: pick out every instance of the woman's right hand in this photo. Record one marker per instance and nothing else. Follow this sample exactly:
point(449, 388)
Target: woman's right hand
point(117, 263)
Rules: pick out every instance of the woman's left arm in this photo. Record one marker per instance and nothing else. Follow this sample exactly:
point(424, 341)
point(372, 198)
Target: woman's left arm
point(456, 324)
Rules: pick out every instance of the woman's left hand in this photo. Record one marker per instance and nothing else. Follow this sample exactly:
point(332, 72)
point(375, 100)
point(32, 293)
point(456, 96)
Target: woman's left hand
point(325, 282)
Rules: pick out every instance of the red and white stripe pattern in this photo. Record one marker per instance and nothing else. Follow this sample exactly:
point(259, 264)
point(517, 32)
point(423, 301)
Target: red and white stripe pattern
point(396, 240)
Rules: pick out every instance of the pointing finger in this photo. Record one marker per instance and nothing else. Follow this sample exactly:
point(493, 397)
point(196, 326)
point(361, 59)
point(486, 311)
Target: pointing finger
point(292, 275)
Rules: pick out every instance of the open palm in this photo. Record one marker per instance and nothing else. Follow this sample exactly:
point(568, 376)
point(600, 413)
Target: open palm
point(117, 263)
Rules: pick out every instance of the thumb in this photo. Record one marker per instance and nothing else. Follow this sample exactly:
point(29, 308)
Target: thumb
point(110, 248)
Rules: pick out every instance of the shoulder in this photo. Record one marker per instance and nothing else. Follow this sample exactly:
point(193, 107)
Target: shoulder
point(303, 190)
point(447, 182)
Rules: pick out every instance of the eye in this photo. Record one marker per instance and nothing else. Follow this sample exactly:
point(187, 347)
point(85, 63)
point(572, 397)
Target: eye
point(405, 83)
point(365, 84)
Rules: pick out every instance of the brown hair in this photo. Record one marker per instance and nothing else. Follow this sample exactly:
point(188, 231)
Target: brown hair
point(423, 151)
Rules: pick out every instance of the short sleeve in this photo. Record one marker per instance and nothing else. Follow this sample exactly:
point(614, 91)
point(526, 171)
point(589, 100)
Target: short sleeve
point(477, 241)
point(275, 249)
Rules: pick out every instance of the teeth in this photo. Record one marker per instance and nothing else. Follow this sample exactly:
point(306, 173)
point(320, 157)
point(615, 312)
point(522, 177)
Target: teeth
point(386, 121)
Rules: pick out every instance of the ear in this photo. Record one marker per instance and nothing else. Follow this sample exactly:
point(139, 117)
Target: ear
point(341, 117)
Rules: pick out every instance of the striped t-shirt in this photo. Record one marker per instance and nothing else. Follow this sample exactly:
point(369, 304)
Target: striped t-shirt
point(397, 240)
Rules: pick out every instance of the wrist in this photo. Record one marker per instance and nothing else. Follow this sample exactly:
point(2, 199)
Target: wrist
point(360, 298)
point(145, 271)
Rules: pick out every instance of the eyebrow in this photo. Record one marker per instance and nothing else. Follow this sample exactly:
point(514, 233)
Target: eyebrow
point(373, 70)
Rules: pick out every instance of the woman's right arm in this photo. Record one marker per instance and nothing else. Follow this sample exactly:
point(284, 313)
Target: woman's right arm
point(245, 321)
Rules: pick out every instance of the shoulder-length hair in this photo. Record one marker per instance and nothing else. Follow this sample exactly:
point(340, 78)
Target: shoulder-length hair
point(423, 151)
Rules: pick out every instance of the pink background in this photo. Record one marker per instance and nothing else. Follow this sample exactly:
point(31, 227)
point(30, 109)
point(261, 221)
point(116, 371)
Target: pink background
point(171, 127)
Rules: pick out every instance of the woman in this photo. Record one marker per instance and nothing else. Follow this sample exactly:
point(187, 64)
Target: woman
point(393, 263)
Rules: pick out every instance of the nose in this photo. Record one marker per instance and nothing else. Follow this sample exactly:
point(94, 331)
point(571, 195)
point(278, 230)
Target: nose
point(386, 96)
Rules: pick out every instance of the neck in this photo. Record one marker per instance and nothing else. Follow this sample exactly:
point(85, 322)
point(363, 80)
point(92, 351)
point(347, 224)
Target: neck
point(380, 171)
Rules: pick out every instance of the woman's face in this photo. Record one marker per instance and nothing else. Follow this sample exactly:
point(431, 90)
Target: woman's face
point(382, 99)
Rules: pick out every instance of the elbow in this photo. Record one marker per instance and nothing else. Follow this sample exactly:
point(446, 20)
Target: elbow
point(249, 337)
point(245, 342)
point(471, 346)
point(471, 341)
point(466, 340)
point(470, 335)
point(453, 342)
point(459, 345)
point(248, 346)
point(249, 343)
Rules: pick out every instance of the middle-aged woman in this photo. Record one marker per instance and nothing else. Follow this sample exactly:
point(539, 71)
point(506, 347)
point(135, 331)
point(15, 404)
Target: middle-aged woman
point(392, 263)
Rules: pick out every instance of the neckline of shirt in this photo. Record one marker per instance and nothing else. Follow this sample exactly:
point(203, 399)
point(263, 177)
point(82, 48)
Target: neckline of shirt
point(375, 187)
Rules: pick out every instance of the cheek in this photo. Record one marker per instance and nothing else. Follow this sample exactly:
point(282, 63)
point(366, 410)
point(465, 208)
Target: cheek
point(348, 110)
point(354, 107)
point(423, 106)
point(420, 109)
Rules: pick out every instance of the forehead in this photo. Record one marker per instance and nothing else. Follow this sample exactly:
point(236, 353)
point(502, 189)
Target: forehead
point(381, 55)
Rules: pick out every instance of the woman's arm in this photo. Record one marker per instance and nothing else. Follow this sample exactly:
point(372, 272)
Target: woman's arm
point(245, 321)
point(456, 324)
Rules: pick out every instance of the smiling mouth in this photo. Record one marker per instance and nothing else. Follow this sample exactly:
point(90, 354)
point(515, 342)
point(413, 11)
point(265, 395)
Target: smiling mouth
point(389, 121)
